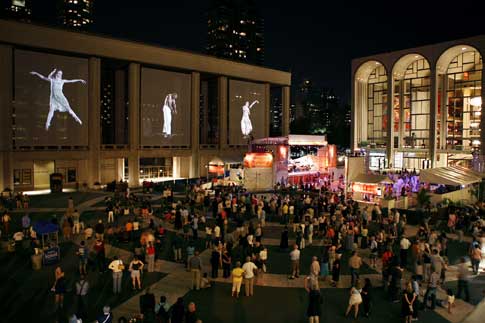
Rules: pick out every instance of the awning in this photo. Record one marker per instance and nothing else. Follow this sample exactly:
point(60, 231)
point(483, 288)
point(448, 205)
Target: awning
point(372, 179)
point(453, 176)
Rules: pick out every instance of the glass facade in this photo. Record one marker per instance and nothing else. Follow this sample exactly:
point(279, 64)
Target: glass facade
point(463, 101)
point(377, 107)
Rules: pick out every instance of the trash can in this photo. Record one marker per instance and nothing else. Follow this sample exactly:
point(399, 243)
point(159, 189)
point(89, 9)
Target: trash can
point(36, 262)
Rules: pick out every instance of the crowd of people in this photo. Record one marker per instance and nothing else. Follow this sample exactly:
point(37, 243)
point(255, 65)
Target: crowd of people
point(413, 267)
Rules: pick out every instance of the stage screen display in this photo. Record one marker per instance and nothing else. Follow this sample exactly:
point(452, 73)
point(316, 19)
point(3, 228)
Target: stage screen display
point(50, 100)
point(246, 112)
point(165, 108)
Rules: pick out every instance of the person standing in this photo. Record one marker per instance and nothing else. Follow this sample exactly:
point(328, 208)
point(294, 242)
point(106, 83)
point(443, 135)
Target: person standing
point(366, 294)
point(476, 257)
point(162, 310)
point(215, 262)
point(59, 288)
point(355, 262)
point(6, 219)
point(136, 267)
point(315, 267)
point(314, 299)
point(178, 311)
point(177, 247)
point(404, 247)
point(226, 263)
point(117, 268)
point(83, 253)
point(431, 291)
point(409, 297)
point(76, 221)
point(150, 257)
point(284, 238)
point(147, 306)
point(295, 262)
point(82, 289)
point(99, 230)
point(237, 277)
point(463, 277)
point(336, 272)
point(249, 269)
point(100, 255)
point(195, 266)
point(26, 224)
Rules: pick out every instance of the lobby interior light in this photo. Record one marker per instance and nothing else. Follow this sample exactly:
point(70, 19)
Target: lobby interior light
point(476, 101)
point(476, 142)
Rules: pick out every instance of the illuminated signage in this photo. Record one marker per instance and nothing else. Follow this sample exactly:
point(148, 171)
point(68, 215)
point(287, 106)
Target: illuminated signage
point(258, 160)
point(366, 188)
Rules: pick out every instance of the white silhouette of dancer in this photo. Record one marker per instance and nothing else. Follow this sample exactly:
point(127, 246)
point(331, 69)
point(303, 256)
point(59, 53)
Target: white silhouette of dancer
point(58, 101)
point(169, 107)
point(246, 125)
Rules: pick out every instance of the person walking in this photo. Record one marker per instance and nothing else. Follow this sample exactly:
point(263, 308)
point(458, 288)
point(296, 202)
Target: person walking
point(147, 306)
point(354, 301)
point(99, 230)
point(237, 277)
point(404, 247)
point(195, 266)
point(178, 311)
point(476, 257)
point(430, 294)
point(100, 255)
point(226, 263)
point(136, 267)
point(315, 267)
point(249, 271)
point(295, 262)
point(82, 289)
point(117, 267)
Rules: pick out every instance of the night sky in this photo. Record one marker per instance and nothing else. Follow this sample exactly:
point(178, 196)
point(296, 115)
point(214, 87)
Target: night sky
point(313, 39)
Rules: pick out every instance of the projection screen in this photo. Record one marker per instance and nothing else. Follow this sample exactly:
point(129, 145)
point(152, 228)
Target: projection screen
point(50, 100)
point(246, 111)
point(165, 108)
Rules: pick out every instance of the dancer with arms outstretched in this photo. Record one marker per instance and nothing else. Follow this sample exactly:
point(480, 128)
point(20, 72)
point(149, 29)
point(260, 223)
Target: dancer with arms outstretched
point(246, 125)
point(58, 102)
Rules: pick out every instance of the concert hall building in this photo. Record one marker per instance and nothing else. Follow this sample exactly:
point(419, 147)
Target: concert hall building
point(98, 109)
point(420, 107)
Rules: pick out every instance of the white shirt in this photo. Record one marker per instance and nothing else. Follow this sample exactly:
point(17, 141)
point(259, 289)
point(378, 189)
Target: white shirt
point(217, 231)
point(115, 266)
point(295, 255)
point(405, 244)
point(249, 268)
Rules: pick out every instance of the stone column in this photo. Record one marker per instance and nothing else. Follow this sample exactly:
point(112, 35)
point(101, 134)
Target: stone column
point(433, 110)
point(195, 125)
point(267, 109)
point(6, 110)
point(94, 122)
point(390, 113)
point(222, 84)
point(134, 124)
point(481, 163)
point(285, 110)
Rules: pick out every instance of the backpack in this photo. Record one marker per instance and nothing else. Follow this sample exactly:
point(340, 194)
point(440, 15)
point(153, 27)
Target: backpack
point(163, 315)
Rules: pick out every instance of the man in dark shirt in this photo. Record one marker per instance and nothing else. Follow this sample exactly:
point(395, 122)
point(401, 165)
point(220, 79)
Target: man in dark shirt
point(147, 305)
point(99, 230)
point(191, 315)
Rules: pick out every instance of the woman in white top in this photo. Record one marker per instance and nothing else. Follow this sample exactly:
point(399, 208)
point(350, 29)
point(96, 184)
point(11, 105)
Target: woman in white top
point(354, 301)
point(169, 107)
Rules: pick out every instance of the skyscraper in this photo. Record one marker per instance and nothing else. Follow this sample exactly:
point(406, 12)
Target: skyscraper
point(235, 31)
point(76, 14)
point(18, 9)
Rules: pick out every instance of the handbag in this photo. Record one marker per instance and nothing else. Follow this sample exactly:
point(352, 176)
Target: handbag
point(121, 266)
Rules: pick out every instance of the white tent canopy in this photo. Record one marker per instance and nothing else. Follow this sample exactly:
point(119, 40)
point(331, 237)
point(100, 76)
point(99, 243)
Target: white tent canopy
point(453, 176)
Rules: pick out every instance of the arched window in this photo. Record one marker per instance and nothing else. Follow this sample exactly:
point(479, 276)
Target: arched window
point(377, 106)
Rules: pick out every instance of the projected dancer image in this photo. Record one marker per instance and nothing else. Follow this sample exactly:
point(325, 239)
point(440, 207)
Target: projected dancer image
point(246, 125)
point(169, 107)
point(58, 101)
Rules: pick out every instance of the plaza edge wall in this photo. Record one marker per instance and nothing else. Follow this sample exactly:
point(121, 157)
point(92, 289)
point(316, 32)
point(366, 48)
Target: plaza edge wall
point(97, 163)
point(432, 53)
